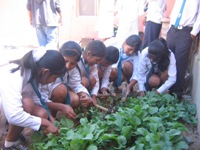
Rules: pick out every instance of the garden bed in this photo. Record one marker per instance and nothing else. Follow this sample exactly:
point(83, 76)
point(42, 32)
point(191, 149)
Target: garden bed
point(150, 122)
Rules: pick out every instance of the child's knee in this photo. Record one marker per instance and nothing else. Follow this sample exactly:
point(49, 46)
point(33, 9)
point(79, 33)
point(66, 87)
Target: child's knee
point(113, 74)
point(59, 94)
point(75, 100)
point(84, 82)
point(127, 69)
point(154, 81)
point(92, 81)
point(42, 113)
point(28, 104)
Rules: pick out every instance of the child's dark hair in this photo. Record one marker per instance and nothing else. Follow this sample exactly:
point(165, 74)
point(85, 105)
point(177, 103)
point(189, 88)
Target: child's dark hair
point(97, 48)
point(112, 54)
point(159, 48)
point(52, 60)
point(71, 49)
point(134, 41)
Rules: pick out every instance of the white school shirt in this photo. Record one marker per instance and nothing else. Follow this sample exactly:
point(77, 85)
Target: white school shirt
point(73, 81)
point(134, 59)
point(128, 12)
point(145, 66)
point(11, 92)
point(93, 72)
point(105, 22)
point(106, 74)
point(190, 16)
point(156, 10)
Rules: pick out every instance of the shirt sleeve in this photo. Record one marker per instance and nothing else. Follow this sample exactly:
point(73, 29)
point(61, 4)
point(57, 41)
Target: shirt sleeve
point(94, 73)
point(12, 106)
point(135, 68)
point(142, 70)
point(196, 26)
point(171, 75)
point(106, 75)
point(75, 81)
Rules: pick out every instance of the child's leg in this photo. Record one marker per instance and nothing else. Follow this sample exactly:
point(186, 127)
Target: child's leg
point(59, 94)
point(113, 75)
point(127, 69)
point(164, 76)
point(154, 81)
point(33, 109)
point(75, 100)
point(92, 82)
point(100, 73)
point(28, 106)
point(85, 82)
point(13, 133)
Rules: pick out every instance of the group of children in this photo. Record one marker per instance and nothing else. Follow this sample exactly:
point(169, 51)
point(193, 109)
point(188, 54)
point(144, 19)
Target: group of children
point(47, 81)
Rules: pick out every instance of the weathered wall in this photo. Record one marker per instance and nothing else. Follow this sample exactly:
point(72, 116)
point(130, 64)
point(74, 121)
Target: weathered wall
point(196, 80)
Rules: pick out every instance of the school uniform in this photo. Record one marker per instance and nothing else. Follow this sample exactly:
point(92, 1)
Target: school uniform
point(71, 78)
point(145, 66)
point(105, 76)
point(105, 25)
point(155, 12)
point(93, 71)
point(11, 93)
point(179, 37)
point(128, 12)
point(134, 59)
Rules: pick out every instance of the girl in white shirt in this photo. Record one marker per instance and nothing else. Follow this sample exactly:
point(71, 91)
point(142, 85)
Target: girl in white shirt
point(127, 66)
point(157, 67)
point(36, 67)
point(68, 88)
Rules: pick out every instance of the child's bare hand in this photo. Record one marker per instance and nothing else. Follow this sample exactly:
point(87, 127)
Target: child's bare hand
point(68, 112)
point(85, 100)
point(142, 94)
point(48, 127)
point(104, 91)
point(51, 129)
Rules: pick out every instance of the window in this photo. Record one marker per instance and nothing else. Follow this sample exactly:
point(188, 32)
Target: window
point(87, 7)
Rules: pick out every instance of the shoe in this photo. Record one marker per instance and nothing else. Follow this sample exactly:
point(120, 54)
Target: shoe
point(15, 147)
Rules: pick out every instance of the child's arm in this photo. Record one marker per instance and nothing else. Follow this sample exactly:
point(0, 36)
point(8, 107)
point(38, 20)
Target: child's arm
point(75, 82)
point(65, 109)
point(105, 79)
point(142, 70)
point(171, 75)
point(95, 89)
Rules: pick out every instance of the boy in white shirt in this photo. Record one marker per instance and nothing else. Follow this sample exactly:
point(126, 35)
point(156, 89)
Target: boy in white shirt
point(105, 68)
point(92, 55)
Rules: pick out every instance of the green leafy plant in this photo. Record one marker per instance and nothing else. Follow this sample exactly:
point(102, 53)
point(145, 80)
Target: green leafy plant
point(152, 122)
